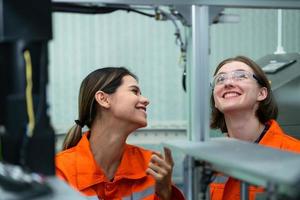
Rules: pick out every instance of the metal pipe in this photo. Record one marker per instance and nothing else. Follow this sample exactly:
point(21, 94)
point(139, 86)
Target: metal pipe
point(200, 73)
point(244, 191)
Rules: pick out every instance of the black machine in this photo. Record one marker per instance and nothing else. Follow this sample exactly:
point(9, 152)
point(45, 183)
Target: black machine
point(26, 137)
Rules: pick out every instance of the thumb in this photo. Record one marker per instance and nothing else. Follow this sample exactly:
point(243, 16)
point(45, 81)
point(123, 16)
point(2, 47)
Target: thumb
point(168, 156)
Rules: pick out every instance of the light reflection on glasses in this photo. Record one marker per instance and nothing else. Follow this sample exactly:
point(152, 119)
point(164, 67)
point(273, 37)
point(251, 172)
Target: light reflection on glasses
point(238, 75)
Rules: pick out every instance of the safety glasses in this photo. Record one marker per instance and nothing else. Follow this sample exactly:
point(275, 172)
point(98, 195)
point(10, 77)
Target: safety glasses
point(238, 75)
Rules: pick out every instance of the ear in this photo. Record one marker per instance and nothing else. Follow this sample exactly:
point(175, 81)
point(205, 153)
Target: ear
point(263, 93)
point(102, 99)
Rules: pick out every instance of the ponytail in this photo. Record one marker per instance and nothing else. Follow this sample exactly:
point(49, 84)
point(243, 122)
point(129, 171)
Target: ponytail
point(73, 137)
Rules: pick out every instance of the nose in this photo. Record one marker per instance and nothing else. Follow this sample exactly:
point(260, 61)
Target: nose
point(228, 81)
point(145, 100)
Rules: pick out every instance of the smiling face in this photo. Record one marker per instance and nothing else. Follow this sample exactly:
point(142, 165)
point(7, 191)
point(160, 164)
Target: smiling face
point(127, 103)
point(239, 90)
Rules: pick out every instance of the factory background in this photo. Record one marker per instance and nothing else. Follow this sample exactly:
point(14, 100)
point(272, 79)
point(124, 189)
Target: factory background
point(82, 43)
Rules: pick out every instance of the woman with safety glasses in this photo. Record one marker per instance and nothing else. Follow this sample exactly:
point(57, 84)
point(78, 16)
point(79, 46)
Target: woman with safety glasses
point(243, 107)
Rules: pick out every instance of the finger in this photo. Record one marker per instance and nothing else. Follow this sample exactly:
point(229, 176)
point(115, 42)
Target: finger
point(159, 161)
point(157, 153)
point(160, 166)
point(158, 169)
point(168, 156)
point(153, 173)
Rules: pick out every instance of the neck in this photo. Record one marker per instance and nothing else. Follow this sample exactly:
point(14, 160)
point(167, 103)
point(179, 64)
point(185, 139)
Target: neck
point(243, 126)
point(107, 142)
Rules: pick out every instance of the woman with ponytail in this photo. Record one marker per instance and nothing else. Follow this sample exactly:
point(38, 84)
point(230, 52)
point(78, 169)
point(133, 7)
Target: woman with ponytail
point(98, 162)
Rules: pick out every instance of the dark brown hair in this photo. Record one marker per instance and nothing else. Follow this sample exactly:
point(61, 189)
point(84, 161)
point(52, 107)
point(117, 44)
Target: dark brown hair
point(267, 108)
point(105, 79)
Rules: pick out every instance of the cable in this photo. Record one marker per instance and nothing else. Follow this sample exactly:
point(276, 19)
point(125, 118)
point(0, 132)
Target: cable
point(29, 99)
point(139, 12)
point(81, 9)
point(173, 20)
point(162, 15)
point(88, 9)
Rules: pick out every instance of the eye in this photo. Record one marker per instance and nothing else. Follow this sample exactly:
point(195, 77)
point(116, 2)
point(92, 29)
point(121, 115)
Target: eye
point(220, 79)
point(135, 91)
point(241, 75)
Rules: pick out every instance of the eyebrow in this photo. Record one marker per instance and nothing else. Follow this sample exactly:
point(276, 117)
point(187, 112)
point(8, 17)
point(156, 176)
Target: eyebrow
point(230, 71)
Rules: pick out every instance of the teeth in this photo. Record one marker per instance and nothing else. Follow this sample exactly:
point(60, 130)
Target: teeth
point(231, 94)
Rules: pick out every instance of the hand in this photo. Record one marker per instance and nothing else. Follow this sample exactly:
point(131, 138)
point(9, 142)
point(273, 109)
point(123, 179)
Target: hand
point(160, 168)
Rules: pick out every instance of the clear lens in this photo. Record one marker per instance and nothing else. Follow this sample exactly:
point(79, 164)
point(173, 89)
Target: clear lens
point(239, 75)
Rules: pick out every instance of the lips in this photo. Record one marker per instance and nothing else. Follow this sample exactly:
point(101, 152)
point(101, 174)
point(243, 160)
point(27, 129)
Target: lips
point(142, 108)
point(230, 94)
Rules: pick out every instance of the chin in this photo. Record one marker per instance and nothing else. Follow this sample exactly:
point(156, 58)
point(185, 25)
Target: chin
point(228, 110)
point(233, 108)
point(142, 123)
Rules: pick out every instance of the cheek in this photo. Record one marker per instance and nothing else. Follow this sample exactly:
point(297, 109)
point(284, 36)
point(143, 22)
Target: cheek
point(215, 96)
point(253, 94)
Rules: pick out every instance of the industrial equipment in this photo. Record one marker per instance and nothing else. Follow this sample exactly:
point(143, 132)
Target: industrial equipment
point(283, 71)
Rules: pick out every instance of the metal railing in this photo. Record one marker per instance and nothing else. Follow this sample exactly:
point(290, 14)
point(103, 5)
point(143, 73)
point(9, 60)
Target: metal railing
point(275, 170)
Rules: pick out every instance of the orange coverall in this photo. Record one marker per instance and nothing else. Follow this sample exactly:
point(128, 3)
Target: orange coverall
point(78, 168)
point(274, 137)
